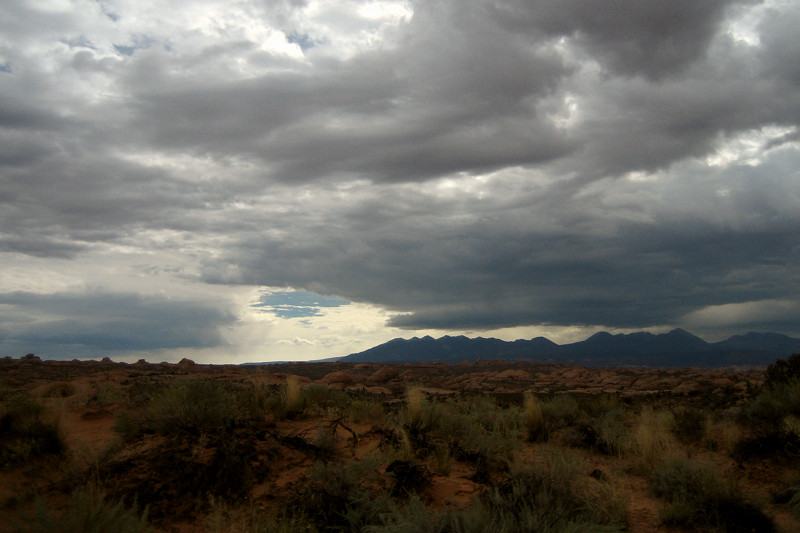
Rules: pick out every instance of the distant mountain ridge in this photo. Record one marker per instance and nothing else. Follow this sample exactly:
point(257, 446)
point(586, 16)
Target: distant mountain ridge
point(677, 348)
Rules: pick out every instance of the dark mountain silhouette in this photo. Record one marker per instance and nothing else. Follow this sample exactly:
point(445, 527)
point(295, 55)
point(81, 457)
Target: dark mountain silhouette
point(678, 348)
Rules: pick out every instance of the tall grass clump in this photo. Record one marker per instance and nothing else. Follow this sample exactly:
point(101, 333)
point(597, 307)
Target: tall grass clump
point(535, 426)
point(27, 432)
point(653, 437)
point(421, 417)
point(86, 512)
point(292, 395)
point(698, 497)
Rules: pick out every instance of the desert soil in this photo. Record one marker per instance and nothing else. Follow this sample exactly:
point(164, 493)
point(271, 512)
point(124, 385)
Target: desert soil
point(97, 391)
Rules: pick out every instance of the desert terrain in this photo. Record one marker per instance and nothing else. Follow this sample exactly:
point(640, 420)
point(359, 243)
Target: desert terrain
point(416, 447)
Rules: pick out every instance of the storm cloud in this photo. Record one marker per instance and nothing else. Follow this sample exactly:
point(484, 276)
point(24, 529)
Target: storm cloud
point(461, 166)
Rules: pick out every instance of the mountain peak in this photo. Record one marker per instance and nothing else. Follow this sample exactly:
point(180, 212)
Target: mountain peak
point(677, 348)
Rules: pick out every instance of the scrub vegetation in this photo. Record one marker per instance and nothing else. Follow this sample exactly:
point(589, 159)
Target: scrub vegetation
point(260, 452)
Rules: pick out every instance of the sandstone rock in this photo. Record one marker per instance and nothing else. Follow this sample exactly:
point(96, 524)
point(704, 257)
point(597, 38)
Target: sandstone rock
point(379, 390)
point(513, 374)
point(382, 375)
point(186, 364)
point(686, 387)
point(338, 378)
point(722, 383)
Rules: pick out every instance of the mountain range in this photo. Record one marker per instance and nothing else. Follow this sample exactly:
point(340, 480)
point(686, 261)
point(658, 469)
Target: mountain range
point(678, 348)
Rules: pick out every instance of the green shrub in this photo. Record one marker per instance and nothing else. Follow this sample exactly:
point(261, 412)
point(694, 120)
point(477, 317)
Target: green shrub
point(26, 433)
point(794, 501)
point(783, 371)
point(555, 498)
point(257, 401)
point(419, 418)
point(561, 411)
point(338, 498)
point(690, 425)
point(789, 495)
point(365, 410)
point(61, 389)
point(613, 437)
point(106, 394)
point(326, 444)
point(595, 406)
point(193, 407)
point(86, 513)
point(768, 420)
point(697, 497)
point(320, 398)
point(478, 431)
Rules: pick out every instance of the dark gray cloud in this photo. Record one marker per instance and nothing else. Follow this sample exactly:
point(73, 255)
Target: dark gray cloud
point(506, 271)
point(654, 38)
point(66, 325)
point(473, 165)
point(458, 95)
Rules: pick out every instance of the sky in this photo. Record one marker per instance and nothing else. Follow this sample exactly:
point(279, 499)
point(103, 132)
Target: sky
point(234, 181)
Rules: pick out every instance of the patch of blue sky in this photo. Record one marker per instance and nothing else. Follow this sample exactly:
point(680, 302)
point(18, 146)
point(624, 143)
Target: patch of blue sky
point(140, 42)
point(296, 304)
point(304, 41)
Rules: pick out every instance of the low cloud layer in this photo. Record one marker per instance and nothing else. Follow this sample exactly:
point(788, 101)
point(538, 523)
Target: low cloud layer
point(463, 166)
point(95, 324)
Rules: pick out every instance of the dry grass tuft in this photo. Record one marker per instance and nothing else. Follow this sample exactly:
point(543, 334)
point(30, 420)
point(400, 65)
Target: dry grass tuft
point(534, 419)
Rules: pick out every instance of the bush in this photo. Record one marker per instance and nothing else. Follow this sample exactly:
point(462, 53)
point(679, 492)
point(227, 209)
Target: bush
point(783, 371)
point(690, 425)
point(86, 513)
point(612, 436)
point(789, 495)
point(769, 421)
point(561, 411)
point(697, 497)
point(191, 407)
point(256, 401)
point(555, 498)
point(62, 389)
point(26, 433)
point(476, 431)
point(338, 498)
point(419, 419)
